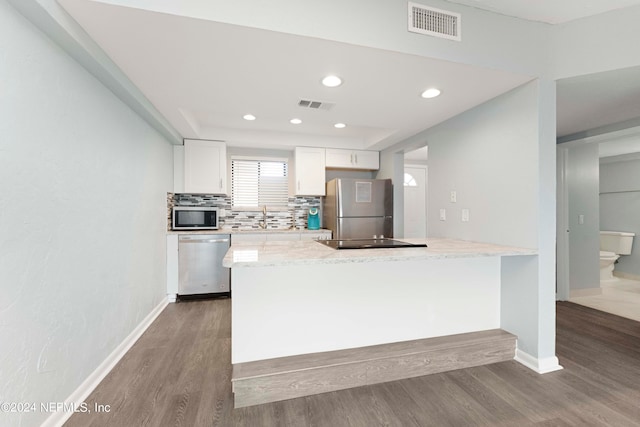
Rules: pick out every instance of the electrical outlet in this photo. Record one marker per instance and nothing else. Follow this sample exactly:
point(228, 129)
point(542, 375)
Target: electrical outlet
point(454, 196)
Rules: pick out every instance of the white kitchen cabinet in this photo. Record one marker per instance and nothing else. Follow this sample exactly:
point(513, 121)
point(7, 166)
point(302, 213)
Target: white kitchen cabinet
point(352, 159)
point(205, 167)
point(309, 175)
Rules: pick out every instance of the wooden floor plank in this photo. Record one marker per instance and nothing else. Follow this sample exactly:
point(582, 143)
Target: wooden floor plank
point(179, 374)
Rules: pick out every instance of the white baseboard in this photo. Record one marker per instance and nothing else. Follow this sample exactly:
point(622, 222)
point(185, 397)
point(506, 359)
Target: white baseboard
point(541, 366)
point(57, 419)
point(576, 293)
point(627, 276)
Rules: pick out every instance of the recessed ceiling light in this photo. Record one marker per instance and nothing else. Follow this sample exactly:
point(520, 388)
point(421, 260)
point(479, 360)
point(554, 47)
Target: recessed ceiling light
point(332, 81)
point(249, 117)
point(431, 93)
point(340, 125)
point(295, 121)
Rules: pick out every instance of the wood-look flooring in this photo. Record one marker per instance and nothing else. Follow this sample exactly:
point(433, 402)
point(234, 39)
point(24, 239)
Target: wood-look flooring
point(179, 374)
point(284, 378)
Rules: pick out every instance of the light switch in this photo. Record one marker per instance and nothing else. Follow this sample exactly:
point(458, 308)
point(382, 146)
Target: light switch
point(454, 196)
point(581, 219)
point(443, 214)
point(465, 215)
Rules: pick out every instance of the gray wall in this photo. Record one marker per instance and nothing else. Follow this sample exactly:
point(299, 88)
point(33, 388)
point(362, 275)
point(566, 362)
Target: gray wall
point(584, 244)
point(82, 220)
point(620, 204)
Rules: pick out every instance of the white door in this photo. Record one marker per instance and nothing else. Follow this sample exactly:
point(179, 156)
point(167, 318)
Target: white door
point(415, 201)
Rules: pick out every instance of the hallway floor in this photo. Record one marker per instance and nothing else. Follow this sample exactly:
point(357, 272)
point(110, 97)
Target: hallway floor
point(621, 298)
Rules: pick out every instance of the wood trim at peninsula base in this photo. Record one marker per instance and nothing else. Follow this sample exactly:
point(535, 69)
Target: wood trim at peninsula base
point(304, 375)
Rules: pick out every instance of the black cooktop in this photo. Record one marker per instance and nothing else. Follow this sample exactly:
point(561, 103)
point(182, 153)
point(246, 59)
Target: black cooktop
point(370, 244)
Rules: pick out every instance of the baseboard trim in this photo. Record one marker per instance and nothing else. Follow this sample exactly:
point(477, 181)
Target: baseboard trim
point(541, 366)
point(628, 276)
point(57, 419)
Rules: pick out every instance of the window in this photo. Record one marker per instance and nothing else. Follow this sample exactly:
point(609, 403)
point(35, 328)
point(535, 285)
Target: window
point(259, 182)
point(409, 180)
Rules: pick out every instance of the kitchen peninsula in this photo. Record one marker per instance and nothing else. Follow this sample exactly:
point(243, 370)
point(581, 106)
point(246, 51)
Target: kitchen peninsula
point(292, 299)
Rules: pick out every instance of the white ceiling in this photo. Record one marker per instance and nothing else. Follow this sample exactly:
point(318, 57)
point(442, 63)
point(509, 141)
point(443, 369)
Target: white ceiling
point(595, 100)
point(203, 88)
point(203, 76)
point(602, 99)
point(549, 11)
point(620, 146)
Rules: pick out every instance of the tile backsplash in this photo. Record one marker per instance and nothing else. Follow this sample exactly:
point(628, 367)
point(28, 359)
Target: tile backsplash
point(236, 218)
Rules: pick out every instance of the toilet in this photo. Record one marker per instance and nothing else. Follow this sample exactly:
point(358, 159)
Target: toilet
point(612, 245)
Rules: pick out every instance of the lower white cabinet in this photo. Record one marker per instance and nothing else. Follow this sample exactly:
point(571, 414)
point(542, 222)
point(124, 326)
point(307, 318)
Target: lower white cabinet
point(352, 159)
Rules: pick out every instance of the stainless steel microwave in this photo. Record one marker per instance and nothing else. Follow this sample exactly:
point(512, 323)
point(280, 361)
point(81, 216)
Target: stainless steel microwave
point(195, 218)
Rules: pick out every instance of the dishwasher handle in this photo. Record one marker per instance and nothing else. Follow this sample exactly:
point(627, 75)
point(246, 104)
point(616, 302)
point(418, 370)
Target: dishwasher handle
point(191, 240)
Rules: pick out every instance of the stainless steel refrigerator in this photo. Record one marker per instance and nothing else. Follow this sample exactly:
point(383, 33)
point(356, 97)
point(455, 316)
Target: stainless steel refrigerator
point(358, 208)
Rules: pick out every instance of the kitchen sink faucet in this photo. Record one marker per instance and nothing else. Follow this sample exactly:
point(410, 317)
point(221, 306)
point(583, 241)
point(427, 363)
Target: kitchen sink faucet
point(263, 223)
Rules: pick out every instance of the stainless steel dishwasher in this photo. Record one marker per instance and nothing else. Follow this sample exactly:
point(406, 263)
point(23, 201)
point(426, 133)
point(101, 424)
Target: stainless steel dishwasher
point(200, 267)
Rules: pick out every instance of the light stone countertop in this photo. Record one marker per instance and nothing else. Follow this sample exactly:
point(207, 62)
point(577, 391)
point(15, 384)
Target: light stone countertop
point(282, 253)
point(247, 231)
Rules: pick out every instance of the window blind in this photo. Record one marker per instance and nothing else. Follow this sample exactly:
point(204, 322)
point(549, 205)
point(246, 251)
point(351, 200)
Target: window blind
point(259, 183)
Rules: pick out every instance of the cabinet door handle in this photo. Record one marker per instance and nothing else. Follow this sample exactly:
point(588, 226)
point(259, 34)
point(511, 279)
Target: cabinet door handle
point(351, 158)
point(221, 183)
point(356, 156)
point(298, 184)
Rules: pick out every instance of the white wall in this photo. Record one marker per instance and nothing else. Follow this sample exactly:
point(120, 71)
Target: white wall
point(500, 159)
point(489, 156)
point(584, 244)
point(620, 204)
point(82, 219)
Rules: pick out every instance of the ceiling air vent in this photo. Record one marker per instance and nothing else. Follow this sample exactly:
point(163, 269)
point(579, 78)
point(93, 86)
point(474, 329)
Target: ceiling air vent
point(434, 22)
point(315, 105)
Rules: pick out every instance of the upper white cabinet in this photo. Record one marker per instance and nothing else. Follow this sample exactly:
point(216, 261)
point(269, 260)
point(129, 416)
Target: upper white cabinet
point(352, 159)
point(309, 176)
point(205, 167)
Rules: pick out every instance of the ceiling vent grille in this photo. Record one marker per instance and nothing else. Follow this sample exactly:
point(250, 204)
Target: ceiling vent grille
point(434, 22)
point(315, 105)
